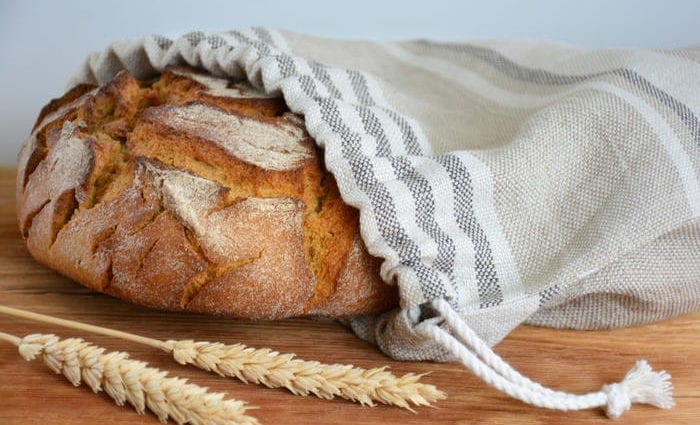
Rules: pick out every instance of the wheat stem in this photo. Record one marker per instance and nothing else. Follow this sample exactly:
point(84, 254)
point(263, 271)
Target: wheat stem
point(275, 370)
point(127, 380)
point(14, 340)
point(155, 343)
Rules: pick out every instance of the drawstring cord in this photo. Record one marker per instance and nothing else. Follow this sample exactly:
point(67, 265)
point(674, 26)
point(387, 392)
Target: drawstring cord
point(640, 385)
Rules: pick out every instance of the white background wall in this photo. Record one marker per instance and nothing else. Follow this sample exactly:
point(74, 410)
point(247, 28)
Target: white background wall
point(43, 41)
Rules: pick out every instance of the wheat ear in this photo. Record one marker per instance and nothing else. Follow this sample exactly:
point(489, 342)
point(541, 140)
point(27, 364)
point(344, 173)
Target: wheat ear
point(301, 377)
point(275, 370)
point(129, 380)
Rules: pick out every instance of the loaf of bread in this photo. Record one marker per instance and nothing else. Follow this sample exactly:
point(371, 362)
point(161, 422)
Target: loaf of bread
point(193, 193)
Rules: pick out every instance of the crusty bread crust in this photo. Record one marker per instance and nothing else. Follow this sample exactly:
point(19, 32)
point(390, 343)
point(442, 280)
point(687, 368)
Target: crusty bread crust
point(192, 193)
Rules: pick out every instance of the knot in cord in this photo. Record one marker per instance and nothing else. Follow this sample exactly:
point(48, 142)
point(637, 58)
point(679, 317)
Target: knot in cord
point(640, 385)
point(619, 400)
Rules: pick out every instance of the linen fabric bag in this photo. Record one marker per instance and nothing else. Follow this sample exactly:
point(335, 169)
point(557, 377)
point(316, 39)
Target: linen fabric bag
point(502, 182)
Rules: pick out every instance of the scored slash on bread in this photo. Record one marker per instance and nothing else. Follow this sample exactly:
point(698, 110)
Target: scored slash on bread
point(193, 193)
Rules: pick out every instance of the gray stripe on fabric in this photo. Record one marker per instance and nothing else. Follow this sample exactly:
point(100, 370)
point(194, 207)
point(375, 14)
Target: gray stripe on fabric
point(383, 204)
point(420, 191)
point(322, 75)
point(547, 294)
point(241, 37)
point(369, 120)
point(264, 35)
point(263, 48)
point(686, 115)
point(383, 145)
point(544, 77)
point(425, 213)
point(371, 123)
point(419, 187)
point(490, 293)
point(380, 199)
point(374, 128)
point(512, 69)
point(164, 43)
point(409, 136)
point(286, 66)
point(410, 140)
point(359, 86)
point(194, 37)
point(215, 41)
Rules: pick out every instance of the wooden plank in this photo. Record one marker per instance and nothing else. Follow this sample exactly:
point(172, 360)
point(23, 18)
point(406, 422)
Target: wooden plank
point(568, 360)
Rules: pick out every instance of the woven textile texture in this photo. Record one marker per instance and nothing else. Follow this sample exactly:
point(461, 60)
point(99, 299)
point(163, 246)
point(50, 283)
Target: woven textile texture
point(518, 181)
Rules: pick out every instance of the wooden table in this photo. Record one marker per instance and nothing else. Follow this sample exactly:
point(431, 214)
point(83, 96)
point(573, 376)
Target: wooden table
point(570, 360)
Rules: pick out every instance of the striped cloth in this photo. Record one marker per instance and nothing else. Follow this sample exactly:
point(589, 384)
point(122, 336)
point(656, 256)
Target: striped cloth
point(518, 181)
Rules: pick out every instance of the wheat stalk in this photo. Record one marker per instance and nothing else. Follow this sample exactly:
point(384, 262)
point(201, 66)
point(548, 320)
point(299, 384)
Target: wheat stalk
point(275, 370)
point(301, 377)
point(126, 380)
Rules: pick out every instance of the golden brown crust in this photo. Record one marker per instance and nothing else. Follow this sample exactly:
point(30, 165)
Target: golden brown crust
point(192, 193)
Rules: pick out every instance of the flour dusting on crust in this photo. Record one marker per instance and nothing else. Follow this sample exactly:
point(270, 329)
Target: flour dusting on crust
point(222, 87)
point(197, 202)
point(70, 161)
point(271, 147)
point(60, 112)
point(189, 197)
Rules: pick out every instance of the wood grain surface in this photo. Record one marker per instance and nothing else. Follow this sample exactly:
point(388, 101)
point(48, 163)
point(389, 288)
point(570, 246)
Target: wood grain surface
point(569, 360)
